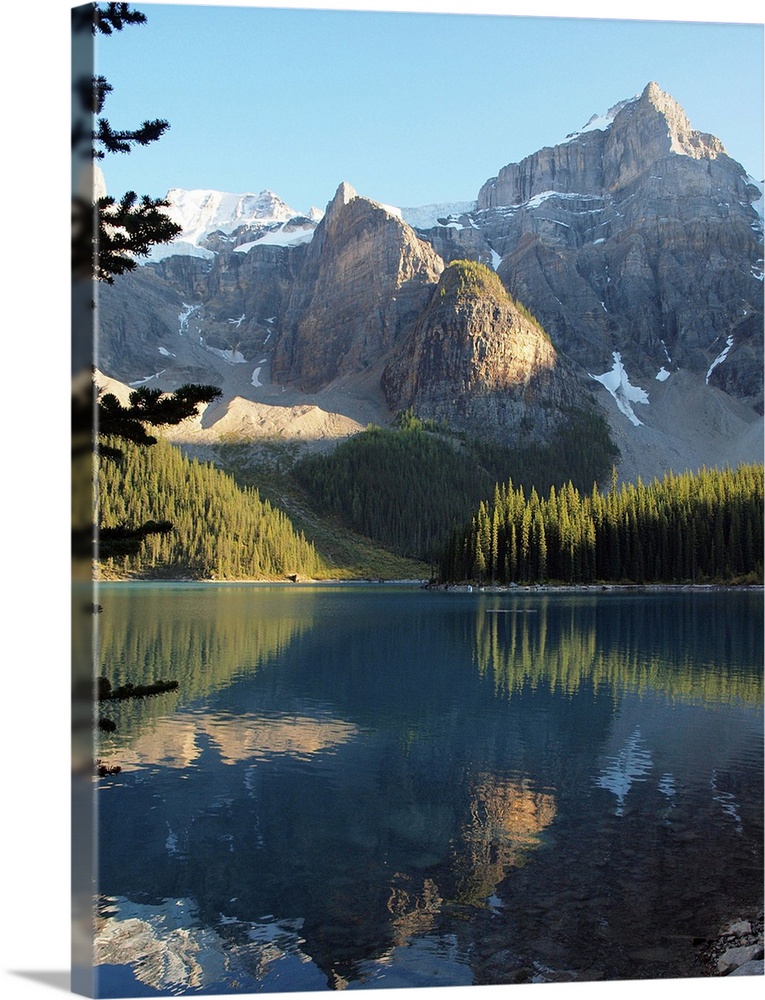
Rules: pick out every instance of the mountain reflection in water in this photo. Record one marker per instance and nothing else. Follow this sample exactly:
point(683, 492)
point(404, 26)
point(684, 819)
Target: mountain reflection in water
point(379, 786)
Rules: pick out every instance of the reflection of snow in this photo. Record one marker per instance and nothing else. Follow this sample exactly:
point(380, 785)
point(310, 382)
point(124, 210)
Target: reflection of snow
point(667, 786)
point(631, 764)
point(171, 844)
point(728, 802)
point(169, 950)
point(625, 394)
point(432, 960)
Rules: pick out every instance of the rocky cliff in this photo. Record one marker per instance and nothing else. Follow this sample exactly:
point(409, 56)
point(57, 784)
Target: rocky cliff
point(365, 279)
point(609, 153)
point(636, 242)
point(480, 363)
point(636, 234)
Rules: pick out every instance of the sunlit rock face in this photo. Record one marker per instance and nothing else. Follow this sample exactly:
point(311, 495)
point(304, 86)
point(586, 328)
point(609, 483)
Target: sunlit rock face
point(365, 279)
point(477, 363)
point(609, 153)
point(636, 235)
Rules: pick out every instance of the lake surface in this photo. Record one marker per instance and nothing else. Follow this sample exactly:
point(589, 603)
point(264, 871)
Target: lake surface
point(370, 786)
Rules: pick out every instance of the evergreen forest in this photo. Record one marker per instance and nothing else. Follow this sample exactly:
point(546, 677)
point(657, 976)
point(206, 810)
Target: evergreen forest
point(691, 528)
point(211, 527)
point(419, 491)
point(409, 487)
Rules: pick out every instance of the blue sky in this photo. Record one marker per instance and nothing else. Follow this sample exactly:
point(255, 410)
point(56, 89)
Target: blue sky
point(409, 108)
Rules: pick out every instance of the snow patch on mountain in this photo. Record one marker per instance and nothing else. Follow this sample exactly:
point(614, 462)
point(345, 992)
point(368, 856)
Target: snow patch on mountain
point(183, 318)
point(176, 248)
point(145, 381)
point(599, 122)
point(279, 237)
point(231, 356)
point(720, 358)
point(625, 394)
point(430, 216)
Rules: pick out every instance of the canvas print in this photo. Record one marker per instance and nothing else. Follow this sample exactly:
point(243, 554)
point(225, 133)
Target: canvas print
point(418, 509)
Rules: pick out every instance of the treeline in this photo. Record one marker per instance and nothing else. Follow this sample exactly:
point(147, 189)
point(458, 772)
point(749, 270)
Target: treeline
point(212, 528)
point(410, 486)
point(407, 489)
point(685, 528)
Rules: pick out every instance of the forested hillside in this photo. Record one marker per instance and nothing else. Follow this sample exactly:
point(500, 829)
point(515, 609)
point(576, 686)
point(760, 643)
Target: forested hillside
point(410, 487)
point(685, 528)
point(219, 530)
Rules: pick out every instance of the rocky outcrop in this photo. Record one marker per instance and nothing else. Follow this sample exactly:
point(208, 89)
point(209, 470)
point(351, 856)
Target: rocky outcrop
point(365, 279)
point(137, 319)
point(230, 303)
point(636, 234)
point(609, 154)
point(737, 950)
point(475, 360)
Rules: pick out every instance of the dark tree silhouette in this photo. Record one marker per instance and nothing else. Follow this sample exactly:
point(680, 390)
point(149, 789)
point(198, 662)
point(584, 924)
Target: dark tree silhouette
point(109, 234)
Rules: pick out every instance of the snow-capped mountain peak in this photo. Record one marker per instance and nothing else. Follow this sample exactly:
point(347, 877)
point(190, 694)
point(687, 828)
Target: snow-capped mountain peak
point(600, 122)
point(202, 212)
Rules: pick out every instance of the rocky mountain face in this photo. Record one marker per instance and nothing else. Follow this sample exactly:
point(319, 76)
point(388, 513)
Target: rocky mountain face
point(635, 243)
point(637, 235)
point(365, 279)
point(477, 362)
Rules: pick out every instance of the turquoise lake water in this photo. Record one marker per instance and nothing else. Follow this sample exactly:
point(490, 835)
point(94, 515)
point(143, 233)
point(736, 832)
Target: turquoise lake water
point(376, 786)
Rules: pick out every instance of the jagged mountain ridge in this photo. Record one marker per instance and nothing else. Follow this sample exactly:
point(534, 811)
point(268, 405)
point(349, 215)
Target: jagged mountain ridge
point(365, 279)
point(635, 236)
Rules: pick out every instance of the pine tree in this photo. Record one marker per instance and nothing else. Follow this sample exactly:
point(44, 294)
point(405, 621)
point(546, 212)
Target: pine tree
point(108, 234)
point(106, 238)
point(684, 528)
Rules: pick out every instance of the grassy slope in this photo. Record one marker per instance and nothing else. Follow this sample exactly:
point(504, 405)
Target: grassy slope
point(354, 557)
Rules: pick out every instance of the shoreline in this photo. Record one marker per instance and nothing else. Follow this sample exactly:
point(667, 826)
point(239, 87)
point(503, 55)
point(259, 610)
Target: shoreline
point(523, 588)
point(456, 588)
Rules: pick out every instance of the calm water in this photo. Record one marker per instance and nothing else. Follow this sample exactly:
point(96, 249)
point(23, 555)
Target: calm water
point(379, 786)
